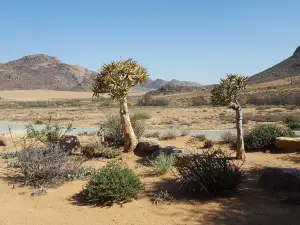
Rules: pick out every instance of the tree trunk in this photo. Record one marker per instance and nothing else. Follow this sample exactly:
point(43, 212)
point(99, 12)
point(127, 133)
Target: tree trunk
point(130, 140)
point(240, 151)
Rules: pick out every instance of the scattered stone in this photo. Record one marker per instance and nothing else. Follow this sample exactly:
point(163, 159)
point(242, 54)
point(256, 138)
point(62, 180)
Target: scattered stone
point(286, 144)
point(68, 143)
point(147, 146)
point(3, 141)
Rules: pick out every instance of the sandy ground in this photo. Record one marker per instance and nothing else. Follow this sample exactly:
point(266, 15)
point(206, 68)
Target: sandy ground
point(250, 206)
point(36, 95)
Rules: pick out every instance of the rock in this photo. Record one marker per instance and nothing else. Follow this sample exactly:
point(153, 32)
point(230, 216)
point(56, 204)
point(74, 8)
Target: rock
point(286, 144)
point(68, 143)
point(147, 146)
point(171, 150)
point(3, 141)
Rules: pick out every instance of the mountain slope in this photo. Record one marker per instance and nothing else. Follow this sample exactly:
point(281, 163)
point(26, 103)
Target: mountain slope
point(42, 72)
point(289, 67)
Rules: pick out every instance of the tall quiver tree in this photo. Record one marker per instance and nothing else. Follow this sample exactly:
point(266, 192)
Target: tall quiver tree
point(227, 93)
point(117, 80)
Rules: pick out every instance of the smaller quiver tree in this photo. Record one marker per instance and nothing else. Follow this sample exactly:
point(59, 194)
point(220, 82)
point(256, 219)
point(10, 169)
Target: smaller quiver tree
point(227, 93)
point(117, 80)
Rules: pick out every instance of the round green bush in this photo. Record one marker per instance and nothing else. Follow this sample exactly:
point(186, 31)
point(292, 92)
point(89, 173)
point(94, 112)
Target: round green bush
point(262, 137)
point(113, 184)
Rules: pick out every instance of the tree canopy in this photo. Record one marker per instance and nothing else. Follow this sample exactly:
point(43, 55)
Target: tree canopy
point(228, 90)
point(118, 77)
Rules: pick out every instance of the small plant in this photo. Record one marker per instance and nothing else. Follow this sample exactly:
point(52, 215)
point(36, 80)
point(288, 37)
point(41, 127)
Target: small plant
point(113, 130)
point(80, 174)
point(113, 184)
point(38, 122)
point(262, 137)
point(199, 100)
point(168, 136)
point(8, 155)
point(294, 125)
point(162, 163)
point(210, 172)
point(163, 197)
point(111, 153)
point(152, 135)
point(200, 137)
point(208, 144)
point(228, 137)
point(141, 115)
point(184, 133)
point(88, 151)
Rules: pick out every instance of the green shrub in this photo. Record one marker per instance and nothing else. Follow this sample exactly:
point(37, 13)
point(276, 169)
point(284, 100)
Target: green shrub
point(294, 126)
point(113, 184)
point(110, 153)
point(113, 130)
point(184, 133)
point(262, 137)
point(8, 155)
point(209, 172)
point(51, 133)
point(292, 119)
point(147, 100)
point(162, 163)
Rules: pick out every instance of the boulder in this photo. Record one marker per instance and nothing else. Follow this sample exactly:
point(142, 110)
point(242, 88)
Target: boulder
point(3, 141)
point(147, 146)
point(68, 143)
point(286, 144)
point(171, 150)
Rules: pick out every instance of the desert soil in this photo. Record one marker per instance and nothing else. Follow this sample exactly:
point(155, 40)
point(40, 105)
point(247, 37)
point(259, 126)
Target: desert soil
point(250, 206)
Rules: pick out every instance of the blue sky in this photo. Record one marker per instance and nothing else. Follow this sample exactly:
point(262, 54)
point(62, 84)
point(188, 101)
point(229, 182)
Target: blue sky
point(197, 40)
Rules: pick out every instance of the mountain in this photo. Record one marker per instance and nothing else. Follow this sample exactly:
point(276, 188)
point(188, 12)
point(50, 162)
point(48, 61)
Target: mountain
point(175, 82)
point(43, 72)
point(289, 67)
point(155, 84)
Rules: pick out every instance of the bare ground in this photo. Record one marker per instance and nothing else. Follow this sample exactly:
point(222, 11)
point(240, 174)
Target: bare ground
point(250, 206)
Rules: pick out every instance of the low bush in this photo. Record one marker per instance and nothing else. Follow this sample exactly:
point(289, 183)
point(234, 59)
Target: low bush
point(152, 135)
point(141, 115)
point(112, 129)
point(44, 165)
point(147, 100)
point(228, 137)
point(208, 144)
point(210, 172)
point(8, 155)
point(262, 137)
point(162, 163)
point(163, 197)
point(199, 137)
point(184, 133)
point(110, 153)
point(294, 126)
point(113, 184)
point(169, 135)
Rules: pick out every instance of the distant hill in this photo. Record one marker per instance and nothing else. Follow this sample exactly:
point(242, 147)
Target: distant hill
point(173, 89)
point(289, 67)
point(43, 72)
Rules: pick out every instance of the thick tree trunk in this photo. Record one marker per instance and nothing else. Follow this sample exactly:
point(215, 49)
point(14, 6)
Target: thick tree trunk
point(240, 151)
point(130, 140)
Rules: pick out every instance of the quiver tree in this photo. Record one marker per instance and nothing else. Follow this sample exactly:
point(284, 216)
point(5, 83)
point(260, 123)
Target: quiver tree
point(117, 79)
point(226, 93)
